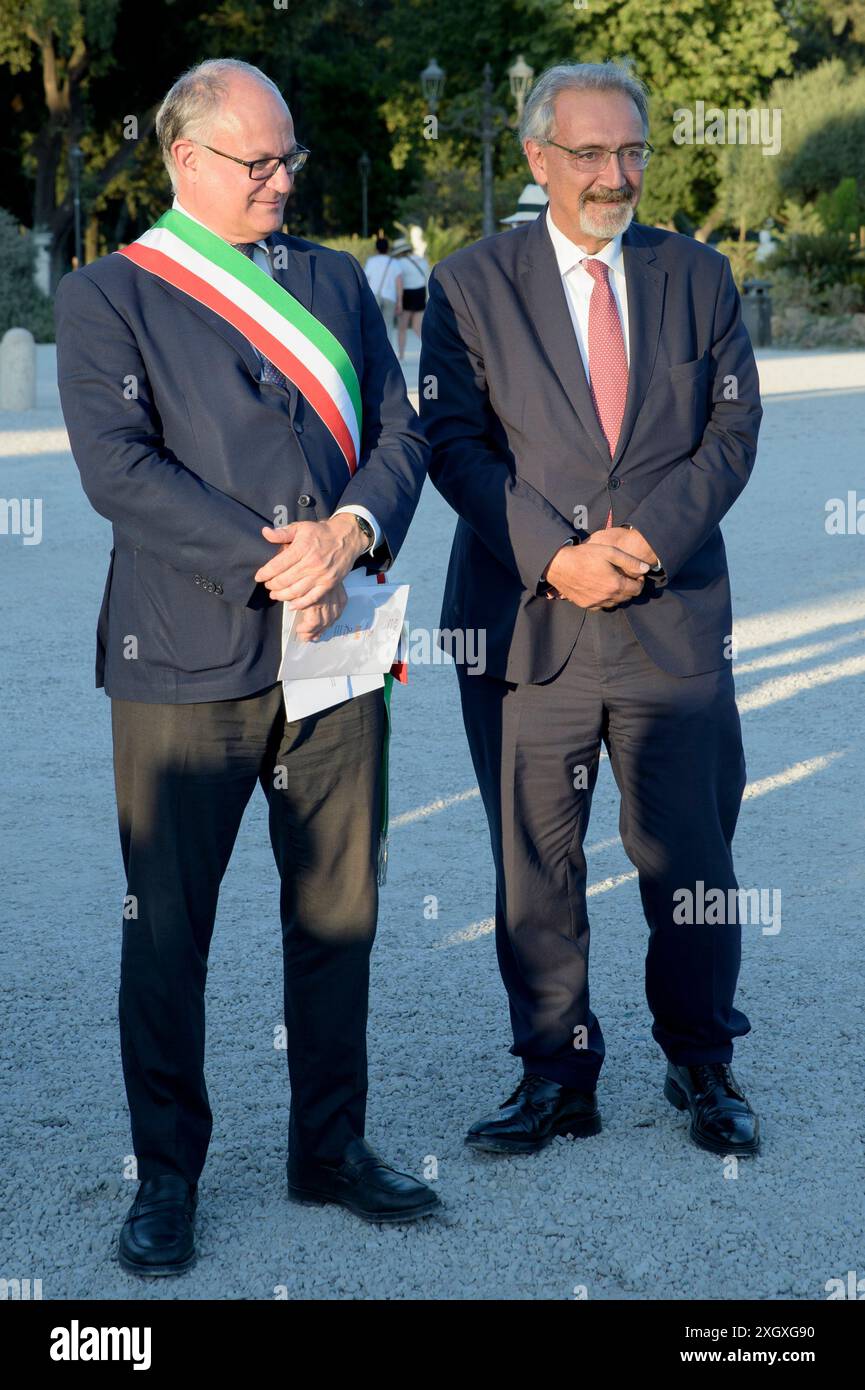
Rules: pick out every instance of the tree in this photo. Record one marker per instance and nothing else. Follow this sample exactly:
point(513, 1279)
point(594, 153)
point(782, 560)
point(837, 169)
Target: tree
point(69, 41)
point(722, 52)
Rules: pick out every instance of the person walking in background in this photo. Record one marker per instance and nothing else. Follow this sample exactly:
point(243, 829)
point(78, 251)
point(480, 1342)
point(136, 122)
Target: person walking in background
point(381, 271)
point(411, 281)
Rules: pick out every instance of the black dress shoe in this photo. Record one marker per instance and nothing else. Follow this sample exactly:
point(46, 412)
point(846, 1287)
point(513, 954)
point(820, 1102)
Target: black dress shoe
point(158, 1234)
point(722, 1121)
point(531, 1118)
point(364, 1183)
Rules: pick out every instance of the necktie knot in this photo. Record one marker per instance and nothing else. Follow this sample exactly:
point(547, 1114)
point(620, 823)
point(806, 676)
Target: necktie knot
point(599, 270)
point(247, 247)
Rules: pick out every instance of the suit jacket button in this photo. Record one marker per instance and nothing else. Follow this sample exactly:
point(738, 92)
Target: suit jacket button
point(197, 578)
point(304, 500)
point(615, 482)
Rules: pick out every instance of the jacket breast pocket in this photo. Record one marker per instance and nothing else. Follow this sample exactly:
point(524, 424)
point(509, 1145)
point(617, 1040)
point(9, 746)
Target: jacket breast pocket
point(683, 373)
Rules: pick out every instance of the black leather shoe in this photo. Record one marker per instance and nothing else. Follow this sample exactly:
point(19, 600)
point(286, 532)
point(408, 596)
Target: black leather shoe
point(158, 1234)
point(364, 1183)
point(722, 1121)
point(531, 1118)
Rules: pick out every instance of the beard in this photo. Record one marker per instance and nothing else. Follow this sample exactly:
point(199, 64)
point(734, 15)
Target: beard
point(606, 217)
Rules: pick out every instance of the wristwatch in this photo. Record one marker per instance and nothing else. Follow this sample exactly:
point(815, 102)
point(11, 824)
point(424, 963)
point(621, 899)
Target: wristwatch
point(366, 529)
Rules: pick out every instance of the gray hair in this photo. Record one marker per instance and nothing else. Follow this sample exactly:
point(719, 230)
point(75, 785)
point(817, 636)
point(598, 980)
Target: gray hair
point(539, 112)
point(194, 100)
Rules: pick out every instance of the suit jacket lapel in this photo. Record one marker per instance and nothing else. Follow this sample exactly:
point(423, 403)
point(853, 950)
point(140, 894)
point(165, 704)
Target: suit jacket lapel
point(544, 293)
point(293, 269)
point(646, 285)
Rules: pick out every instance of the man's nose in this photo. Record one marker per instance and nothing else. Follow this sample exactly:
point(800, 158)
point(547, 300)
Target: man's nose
point(614, 175)
point(281, 181)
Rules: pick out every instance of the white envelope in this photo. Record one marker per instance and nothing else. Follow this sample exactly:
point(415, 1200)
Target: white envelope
point(362, 642)
point(350, 657)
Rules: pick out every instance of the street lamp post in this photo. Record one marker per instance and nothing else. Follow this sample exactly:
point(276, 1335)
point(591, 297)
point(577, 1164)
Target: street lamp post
point(493, 120)
point(488, 135)
point(76, 159)
point(364, 164)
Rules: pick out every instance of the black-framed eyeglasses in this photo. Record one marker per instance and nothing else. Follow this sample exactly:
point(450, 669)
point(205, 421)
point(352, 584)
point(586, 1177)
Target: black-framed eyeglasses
point(592, 159)
point(266, 168)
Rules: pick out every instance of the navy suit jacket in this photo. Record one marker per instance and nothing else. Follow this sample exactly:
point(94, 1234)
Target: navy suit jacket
point(188, 455)
point(517, 446)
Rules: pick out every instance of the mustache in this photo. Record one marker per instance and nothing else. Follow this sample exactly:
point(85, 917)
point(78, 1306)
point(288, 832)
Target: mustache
point(609, 196)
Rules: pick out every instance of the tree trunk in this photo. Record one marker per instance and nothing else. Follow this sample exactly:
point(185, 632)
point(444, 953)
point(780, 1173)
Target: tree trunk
point(715, 217)
point(91, 239)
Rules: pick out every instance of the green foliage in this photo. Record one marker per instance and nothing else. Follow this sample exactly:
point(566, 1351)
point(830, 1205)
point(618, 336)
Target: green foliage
point(823, 260)
point(444, 237)
point(842, 210)
point(350, 73)
point(359, 247)
point(742, 258)
point(68, 25)
point(22, 303)
point(826, 29)
point(804, 217)
point(821, 162)
point(722, 52)
point(823, 131)
point(746, 194)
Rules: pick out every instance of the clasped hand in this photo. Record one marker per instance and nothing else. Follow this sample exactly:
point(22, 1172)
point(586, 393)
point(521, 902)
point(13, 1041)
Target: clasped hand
point(605, 570)
point(308, 569)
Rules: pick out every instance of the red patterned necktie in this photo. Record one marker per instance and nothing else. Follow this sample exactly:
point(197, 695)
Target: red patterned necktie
point(608, 362)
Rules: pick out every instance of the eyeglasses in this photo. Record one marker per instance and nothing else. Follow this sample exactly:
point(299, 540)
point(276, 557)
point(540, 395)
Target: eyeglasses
point(266, 168)
point(593, 160)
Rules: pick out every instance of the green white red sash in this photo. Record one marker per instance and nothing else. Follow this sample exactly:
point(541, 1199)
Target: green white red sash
point(195, 260)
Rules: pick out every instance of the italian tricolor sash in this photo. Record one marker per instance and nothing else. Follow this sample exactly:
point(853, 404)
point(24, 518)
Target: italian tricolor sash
point(195, 260)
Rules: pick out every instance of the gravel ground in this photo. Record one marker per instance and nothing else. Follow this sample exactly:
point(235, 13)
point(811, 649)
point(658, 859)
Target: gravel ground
point(634, 1213)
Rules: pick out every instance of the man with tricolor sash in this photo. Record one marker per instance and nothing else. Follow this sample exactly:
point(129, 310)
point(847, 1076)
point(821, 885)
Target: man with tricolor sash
point(237, 412)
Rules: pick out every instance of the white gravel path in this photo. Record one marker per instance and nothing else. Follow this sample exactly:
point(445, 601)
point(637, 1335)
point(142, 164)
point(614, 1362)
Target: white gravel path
point(636, 1212)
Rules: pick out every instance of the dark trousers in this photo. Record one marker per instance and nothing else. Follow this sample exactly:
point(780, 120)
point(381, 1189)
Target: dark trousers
point(675, 748)
point(184, 775)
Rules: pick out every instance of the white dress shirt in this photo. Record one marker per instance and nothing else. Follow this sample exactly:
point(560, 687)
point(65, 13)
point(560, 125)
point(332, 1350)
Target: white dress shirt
point(261, 257)
point(579, 284)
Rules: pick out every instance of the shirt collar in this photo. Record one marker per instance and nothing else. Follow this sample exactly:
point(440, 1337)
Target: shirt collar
point(180, 208)
point(569, 254)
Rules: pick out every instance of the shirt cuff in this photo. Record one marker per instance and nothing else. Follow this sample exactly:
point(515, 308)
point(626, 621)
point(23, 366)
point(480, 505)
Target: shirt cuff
point(367, 516)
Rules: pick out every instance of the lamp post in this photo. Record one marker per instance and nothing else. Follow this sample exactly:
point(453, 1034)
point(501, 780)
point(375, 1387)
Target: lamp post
point(493, 120)
point(364, 164)
point(76, 159)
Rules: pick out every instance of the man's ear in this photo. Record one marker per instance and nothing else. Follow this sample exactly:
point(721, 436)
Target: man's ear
point(535, 154)
point(186, 157)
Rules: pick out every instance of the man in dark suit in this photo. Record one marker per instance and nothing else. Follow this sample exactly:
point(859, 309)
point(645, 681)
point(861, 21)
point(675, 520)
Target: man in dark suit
point(237, 484)
point(591, 399)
